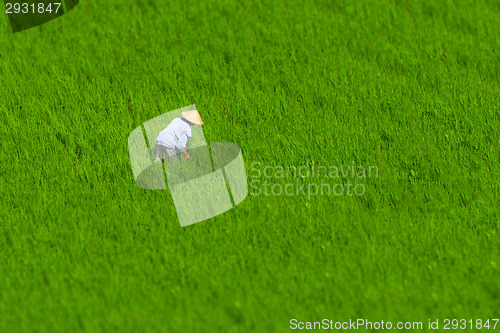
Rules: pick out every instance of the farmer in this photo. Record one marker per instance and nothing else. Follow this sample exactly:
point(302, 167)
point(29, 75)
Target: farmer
point(172, 140)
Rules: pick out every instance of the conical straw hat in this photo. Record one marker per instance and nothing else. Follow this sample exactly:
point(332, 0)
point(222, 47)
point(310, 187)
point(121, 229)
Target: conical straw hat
point(193, 116)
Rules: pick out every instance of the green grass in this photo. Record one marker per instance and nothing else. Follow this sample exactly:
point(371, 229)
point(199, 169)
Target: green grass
point(412, 88)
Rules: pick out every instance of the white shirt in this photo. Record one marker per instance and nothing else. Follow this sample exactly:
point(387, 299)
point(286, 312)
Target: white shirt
point(176, 134)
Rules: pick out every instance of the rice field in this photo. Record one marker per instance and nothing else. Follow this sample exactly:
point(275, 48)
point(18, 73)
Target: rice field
point(409, 89)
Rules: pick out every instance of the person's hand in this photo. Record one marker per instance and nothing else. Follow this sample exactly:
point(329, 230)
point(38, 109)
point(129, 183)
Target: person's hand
point(186, 155)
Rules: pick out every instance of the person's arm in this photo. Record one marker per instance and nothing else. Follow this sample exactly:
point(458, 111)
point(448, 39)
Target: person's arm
point(186, 155)
point(181, 145)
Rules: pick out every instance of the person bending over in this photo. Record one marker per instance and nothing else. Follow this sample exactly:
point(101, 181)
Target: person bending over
point(171, 142)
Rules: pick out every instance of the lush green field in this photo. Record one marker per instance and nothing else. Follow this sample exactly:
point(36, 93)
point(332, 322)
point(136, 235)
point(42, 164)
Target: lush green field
point(410, 87)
